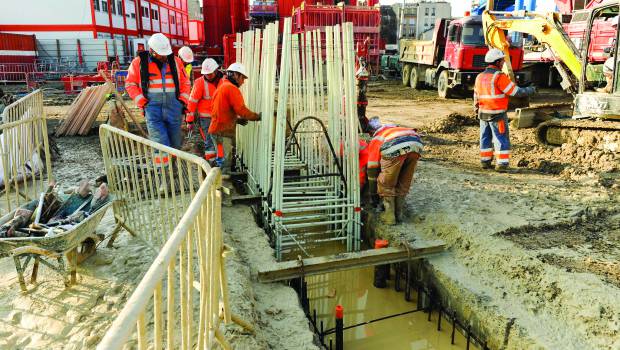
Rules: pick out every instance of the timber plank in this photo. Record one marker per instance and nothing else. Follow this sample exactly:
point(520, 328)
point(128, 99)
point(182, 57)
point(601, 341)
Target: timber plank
point(346, 261)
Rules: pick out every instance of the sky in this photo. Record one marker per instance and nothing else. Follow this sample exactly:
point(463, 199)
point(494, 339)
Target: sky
point(460, 6)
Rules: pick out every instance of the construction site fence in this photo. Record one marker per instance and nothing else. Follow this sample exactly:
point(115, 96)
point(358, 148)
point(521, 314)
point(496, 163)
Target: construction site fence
point(172, 200)
point(25, 164)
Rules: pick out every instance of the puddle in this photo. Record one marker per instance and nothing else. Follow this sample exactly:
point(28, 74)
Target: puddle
point(362, 302)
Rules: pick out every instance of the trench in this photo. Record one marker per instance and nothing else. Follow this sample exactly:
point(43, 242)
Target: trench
point(406, 312)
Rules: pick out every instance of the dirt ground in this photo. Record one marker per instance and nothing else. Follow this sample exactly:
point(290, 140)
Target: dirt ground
point(532, 259)
point(533, 256)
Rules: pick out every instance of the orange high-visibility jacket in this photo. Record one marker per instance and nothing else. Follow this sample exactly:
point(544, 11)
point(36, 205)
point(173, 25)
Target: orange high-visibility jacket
point(491, 91)
point(228, 103)
point(133, 83)
point(201, 98)
point(385, 134)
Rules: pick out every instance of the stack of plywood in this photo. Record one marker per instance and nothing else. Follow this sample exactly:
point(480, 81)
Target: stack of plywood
point(84, 110)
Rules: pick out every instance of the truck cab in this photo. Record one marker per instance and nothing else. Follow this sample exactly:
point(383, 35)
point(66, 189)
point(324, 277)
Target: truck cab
point(463, 56)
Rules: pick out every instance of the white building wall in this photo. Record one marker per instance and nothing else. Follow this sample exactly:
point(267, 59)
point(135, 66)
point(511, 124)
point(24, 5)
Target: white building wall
point(45, 12)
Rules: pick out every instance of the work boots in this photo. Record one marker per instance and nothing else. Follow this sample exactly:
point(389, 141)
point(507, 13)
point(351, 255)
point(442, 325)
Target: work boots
point(486, 164)
point(388, 217)
point(501, 168)
point(400, 209)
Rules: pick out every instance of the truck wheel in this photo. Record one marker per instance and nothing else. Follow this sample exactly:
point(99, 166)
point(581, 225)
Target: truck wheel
point(442, 85)
point(414, 80)
point(406, 73)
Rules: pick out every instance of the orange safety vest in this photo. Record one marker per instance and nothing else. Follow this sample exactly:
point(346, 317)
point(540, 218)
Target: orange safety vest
point(228, 103)
point(491, 91)
point(363, 160)
point(201, 97)
point(384, 134)
point(156, 83)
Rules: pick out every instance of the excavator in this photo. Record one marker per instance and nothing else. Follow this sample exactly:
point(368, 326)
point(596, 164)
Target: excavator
point(595, 120)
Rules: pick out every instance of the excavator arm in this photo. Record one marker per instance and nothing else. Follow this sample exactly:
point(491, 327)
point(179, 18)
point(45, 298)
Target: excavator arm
point(547, 29)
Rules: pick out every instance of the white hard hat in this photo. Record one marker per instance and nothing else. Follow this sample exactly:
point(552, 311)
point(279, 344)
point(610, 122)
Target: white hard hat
point(160, 44)
point(209, 66)
point(614, 21)
point(186, 54)
point(239, 68)
point(493, 55)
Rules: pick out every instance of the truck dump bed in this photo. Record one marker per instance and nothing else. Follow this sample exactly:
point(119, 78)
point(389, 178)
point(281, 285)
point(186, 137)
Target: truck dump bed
point(429, 52)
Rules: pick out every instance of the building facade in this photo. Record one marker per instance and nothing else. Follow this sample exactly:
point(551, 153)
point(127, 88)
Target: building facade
point(417, 20)
point(126, 20)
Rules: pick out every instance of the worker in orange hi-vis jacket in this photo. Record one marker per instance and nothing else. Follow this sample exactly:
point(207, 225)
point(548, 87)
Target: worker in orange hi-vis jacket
point(158, 85)
point(491, 93)
point(393, 155)
point(229, 109)
point(201, 104)
point(187, 56)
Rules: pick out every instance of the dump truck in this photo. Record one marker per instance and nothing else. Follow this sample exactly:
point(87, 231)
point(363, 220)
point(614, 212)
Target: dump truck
point(452, 60)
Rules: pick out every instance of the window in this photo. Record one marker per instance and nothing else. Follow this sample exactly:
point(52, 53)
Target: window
point(104, 6)
point(426, 11)
point(473, 34)
point(120, 7)
point(154, 14)
point(453, 33)
point(112, 6)
point(97, 6)
point(173, 19)
point(433, 11)
point(144, 12)
point(133, 15)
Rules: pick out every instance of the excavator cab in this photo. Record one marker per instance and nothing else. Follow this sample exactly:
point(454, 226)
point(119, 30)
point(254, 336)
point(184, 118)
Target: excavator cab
point(599, 97)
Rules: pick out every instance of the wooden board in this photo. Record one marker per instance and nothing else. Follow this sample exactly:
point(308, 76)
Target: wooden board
point(346, 261)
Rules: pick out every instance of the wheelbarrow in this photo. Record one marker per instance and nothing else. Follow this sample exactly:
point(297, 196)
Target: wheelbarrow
point(74, 245)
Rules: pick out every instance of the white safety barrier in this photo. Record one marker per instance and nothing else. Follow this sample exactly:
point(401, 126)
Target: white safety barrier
point(25, 164)
point(172, 200)
point(305, 172)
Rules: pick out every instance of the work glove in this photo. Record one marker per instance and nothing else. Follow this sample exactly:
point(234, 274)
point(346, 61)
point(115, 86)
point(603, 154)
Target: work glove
point(242, 122)
point(190, 117)
point(532, 89)
point(259, 116)
point(142, 103)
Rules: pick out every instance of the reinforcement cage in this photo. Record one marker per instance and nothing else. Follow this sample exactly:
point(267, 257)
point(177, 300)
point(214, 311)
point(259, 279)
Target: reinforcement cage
point(25, 164)
point(172, 200)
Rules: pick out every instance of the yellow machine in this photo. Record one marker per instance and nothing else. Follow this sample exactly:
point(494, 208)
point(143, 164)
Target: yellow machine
point(596, 115)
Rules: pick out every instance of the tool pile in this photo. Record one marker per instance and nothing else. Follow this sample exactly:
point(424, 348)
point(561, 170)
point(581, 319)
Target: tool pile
point(84, 111)
point(54, 213)
point(305, 172)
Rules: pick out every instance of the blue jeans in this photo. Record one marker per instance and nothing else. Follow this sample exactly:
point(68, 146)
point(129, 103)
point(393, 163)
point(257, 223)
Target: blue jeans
point(494, 134)
point(210, 151)
point(163, 119)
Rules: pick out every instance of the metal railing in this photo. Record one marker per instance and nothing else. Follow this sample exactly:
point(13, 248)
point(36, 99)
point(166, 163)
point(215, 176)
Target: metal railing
point(172, 200)
point(25, 164)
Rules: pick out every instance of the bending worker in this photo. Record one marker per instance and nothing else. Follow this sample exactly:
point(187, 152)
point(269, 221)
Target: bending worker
point(491, 93)
point(157, 84)
point(229, 109)
point(201, 103)
point(393, 154)
point(187, 56)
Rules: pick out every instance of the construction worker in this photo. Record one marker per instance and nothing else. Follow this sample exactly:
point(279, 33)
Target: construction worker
point(229, 109)
point(157, 84)
point(393, 155)
point(201, 103)
point(187, 56)
point(491, 93)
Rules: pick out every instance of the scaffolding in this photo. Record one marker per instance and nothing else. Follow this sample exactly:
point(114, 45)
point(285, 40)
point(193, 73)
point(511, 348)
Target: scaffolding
point(303, 162)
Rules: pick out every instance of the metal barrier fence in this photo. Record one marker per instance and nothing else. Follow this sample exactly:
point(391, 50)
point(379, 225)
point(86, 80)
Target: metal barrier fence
point(306, 173)
point(25, 164)
point(172, 200)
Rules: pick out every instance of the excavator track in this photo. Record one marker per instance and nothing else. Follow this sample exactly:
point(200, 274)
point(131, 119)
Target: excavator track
point(595, 134)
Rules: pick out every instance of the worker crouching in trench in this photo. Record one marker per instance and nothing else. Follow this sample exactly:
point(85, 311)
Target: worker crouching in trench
point(393, 155)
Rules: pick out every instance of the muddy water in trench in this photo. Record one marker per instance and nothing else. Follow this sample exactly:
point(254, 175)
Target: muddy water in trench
point(363, 302)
